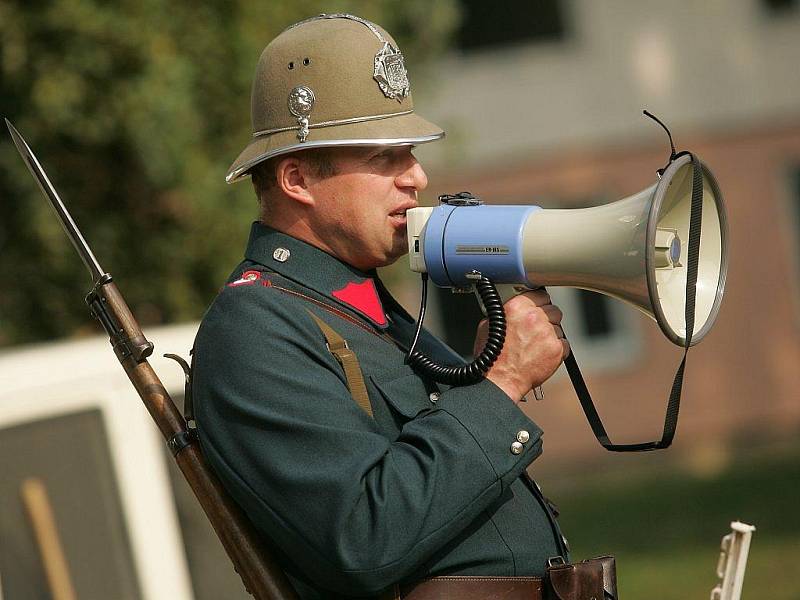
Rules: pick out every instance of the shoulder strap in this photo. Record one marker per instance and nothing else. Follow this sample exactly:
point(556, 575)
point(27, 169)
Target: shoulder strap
point(339, 348)
point(347, 358)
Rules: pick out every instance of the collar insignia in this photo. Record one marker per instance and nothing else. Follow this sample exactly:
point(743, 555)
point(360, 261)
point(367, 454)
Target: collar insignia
point(390, 73)
point(364, 298)
point(246, 278)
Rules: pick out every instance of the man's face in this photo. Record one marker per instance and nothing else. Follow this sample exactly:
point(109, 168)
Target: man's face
point(360, 212)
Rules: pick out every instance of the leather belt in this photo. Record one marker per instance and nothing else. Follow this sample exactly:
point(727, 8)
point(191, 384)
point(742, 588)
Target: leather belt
point(593, 579)
point(458, 587)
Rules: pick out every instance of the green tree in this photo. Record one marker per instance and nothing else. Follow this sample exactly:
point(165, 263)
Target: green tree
point(136, 108)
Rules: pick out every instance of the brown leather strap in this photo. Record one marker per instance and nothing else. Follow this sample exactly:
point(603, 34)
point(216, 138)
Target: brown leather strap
point(475, 588)
point(347, 358)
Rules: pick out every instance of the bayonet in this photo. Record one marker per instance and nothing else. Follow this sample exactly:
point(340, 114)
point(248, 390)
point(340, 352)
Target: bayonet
point(124, 333)
point(73, 233)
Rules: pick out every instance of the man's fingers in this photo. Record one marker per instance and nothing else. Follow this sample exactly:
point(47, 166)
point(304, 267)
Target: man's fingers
point(537, 297)
point(481, 335)
point(554, 314)
point(567, 349)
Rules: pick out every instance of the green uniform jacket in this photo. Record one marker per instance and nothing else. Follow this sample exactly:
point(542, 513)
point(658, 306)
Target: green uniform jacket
point(428, 486)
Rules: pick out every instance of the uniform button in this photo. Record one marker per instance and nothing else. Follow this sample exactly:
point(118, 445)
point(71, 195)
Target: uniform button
point(281, 254)
point(434, 397)
point(523, 436)
point(516, 448)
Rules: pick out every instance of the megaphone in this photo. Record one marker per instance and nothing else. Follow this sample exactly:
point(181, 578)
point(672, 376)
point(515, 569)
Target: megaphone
point(634, 249)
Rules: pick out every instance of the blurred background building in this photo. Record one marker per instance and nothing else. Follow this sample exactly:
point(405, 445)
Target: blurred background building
point(552, 116)
point(136, 113)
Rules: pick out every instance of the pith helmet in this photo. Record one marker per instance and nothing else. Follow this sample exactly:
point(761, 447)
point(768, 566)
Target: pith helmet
point(331, 80)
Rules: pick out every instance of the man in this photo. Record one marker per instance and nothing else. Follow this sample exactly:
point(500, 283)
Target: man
point(360, 496)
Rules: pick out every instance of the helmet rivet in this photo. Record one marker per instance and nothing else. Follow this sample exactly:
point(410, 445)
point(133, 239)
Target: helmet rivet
point(291, 66)
point(306, 61)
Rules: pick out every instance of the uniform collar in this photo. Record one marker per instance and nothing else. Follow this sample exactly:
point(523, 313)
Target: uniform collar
point(316, 269)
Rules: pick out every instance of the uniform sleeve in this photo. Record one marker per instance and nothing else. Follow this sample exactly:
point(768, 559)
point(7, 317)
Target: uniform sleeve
point(354, 510)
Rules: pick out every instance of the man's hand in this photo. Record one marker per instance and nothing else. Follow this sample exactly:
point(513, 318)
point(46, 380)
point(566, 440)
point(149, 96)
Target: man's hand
point(534, 347)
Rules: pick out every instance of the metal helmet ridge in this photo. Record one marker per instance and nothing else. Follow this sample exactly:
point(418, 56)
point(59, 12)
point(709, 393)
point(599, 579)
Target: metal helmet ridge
point(331, 80)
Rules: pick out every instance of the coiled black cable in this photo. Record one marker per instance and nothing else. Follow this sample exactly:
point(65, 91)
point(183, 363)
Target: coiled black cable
point(476, 370)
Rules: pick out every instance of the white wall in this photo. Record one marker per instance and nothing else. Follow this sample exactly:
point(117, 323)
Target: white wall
point(48, 380)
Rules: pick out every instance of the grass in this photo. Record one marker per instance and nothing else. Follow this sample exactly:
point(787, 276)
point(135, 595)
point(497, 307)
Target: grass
point(665, 528)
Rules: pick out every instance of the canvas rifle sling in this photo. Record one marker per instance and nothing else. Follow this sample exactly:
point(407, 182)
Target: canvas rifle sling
point(347, 358)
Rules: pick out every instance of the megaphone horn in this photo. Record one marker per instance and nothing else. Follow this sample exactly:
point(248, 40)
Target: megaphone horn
point(634, 249)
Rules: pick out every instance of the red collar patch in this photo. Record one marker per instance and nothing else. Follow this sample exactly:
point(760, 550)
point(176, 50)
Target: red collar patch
point(364, 298)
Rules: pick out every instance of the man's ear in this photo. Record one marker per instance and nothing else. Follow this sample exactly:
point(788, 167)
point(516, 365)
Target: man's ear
point(293, 178)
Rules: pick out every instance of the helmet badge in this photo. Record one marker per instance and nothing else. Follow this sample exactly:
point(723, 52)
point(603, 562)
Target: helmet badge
point(390, 73)
point(301, 101)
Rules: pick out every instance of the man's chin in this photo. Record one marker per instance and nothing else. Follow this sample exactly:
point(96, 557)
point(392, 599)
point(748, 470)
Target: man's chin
point(393, 257)
point(400, 253)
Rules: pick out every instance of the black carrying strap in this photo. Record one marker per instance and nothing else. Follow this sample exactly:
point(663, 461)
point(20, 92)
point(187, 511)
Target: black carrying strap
point(673, 405)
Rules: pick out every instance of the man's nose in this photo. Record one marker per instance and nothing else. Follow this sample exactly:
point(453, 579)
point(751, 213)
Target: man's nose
point(413, 175)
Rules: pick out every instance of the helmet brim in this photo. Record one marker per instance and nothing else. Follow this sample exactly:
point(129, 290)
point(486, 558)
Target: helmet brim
point(400, 130)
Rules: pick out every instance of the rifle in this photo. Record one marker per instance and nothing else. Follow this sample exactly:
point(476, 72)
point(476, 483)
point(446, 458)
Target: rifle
point(260, 573)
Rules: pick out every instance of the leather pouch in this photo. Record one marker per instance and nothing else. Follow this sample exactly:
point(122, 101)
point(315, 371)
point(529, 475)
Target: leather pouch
point(609, 576)
point(579, 581)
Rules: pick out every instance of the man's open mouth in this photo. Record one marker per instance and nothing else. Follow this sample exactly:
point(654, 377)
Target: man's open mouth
point(398, 217)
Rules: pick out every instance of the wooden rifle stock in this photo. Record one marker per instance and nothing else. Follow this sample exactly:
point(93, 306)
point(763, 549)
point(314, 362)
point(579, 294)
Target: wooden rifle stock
point(260, 573)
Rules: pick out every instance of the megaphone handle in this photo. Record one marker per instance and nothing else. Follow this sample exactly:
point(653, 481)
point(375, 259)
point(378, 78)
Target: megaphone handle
point(538, 392)
point(508, 291)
